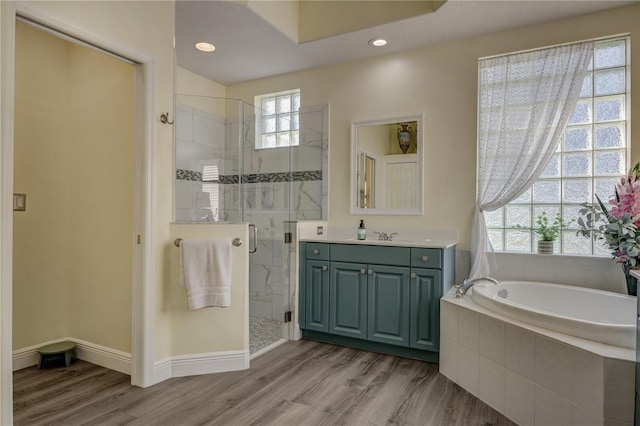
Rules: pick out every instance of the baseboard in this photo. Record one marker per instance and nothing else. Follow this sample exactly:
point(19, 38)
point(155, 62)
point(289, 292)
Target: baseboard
point(297, 333)
point(96, 354)
point(193, 365)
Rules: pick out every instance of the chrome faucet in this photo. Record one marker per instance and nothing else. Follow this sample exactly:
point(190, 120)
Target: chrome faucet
point(383, 236)
point(462, 289)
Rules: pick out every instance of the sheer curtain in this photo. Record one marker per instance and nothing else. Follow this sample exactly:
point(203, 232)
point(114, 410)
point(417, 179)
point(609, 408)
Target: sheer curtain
point(524, 103)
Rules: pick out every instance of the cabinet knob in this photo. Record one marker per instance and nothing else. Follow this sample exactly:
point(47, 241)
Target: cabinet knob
point(425, 258)
point(362, 271)
point(370, 271)
point(324, 267)
point(413, 275)
point(316, 251)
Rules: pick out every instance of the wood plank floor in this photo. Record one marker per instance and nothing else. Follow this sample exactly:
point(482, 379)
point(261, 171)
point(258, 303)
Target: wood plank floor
point(298, 383)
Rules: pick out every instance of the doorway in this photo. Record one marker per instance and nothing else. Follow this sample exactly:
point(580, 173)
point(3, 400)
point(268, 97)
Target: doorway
point(73, 244)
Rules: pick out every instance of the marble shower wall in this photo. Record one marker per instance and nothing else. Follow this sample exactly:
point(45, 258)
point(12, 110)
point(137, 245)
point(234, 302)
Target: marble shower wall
point(271, 188)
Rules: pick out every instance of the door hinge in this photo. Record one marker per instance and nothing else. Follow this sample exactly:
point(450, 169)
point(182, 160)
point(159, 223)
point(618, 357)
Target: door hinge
point(139, 239)
point(287, 316)
point(288, 237)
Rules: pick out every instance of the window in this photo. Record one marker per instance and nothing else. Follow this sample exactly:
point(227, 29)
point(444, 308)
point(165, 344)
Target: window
point(277, 119)
point(591, 156)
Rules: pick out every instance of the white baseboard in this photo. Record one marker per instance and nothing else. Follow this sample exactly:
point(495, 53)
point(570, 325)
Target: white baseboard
point(192, 365)
point(112, 359)
point(297, 333)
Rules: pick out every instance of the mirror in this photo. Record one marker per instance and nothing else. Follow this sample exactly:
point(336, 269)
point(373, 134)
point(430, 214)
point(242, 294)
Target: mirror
point(386, 164)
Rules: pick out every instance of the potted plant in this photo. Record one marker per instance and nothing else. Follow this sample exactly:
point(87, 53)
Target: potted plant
point(547, 230)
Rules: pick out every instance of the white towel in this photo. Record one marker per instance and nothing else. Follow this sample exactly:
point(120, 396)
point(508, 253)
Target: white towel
point(205, 271)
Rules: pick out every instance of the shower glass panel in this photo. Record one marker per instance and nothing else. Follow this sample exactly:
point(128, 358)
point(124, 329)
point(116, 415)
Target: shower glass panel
point(222, 176)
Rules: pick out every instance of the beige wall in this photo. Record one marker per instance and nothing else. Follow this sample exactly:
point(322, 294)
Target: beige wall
point(440, 81)
point(73, 159)
point(200, 91)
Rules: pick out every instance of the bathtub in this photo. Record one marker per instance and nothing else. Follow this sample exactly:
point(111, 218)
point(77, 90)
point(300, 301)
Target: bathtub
point(595, 315)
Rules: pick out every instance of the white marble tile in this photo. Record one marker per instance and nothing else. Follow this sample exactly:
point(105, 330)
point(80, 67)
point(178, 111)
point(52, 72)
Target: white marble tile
point(469, 370)
point(184, 123)
point(491, 339)
point(519, 399)
point(610, 422)
point(492, 383)
point(184, 194)
point(520, 351)
point(551, 409)
point(553, 363)
point(468, 329)
point(588, 381)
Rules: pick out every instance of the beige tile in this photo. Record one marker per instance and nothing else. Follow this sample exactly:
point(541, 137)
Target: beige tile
point(492, 383)
point(587, 381)
point(468, 329)
point(609, 422)
point(491, 335)
point(553, 369)
point(449, 359)
point(520, 351)
point(519, 398)
point(468, 370)
point(619, 389)
point(448, 321)
point(582, 417)
point(551, 409)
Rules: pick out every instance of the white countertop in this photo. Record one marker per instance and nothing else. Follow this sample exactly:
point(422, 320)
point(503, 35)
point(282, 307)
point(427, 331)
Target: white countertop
point(405, 238)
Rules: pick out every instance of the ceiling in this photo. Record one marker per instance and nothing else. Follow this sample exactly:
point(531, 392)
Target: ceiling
point(248, 47)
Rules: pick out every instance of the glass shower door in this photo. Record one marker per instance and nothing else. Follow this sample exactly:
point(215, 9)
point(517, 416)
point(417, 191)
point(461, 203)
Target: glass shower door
point(266, 192)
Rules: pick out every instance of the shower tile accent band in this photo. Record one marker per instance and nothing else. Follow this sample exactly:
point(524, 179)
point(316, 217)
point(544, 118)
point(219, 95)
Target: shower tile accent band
point(308, 175)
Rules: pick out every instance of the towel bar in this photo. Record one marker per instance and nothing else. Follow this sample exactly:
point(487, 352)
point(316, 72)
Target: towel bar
point(237, 242)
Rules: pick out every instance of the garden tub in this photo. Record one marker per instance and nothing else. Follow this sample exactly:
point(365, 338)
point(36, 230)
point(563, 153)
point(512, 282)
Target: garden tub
point(596, 315)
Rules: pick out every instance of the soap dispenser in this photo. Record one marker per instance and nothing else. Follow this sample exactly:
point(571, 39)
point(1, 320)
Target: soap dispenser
point(362, 231)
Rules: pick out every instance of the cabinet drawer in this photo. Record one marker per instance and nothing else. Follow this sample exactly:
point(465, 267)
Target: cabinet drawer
point(317, 251)
point(379, 255)
point(426, 258)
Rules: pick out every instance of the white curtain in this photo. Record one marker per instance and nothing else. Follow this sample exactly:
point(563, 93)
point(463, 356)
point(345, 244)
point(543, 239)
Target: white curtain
point(524, 103)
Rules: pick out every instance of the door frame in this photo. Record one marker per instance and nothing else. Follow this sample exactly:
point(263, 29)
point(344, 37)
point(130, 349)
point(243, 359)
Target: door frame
point(142, 348)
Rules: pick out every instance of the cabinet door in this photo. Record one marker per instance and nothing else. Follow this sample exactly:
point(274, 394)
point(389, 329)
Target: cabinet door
point(425, 308)
point(317, 295)
point(388, 304)
point(348, 299)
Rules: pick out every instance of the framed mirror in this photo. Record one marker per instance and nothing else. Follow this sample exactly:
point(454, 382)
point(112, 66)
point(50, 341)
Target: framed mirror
point(386, 166)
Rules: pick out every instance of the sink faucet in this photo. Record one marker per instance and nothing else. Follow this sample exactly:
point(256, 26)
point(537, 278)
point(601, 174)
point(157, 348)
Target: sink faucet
point(462, 289)
point(383, 236)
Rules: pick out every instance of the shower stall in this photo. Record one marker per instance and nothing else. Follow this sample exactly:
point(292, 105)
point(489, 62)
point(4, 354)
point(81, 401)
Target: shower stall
point(226, 173)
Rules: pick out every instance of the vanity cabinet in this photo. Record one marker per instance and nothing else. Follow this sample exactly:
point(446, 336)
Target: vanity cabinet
point(379, 298)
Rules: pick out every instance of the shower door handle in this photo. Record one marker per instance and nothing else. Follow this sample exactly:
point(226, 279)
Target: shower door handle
point(255, 239)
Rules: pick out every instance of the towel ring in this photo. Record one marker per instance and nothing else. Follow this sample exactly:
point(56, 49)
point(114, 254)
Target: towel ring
point(237, 242)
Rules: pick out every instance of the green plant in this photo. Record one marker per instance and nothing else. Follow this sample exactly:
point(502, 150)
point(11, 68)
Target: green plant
point(546, 229)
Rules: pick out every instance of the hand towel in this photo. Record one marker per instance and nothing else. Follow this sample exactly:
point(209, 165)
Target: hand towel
point(205, 271)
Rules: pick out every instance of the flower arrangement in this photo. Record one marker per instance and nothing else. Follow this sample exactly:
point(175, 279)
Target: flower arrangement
point(617, 227)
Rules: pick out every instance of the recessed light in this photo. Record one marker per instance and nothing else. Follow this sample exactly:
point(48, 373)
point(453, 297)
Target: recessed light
point(205, 47)
point(378, 42)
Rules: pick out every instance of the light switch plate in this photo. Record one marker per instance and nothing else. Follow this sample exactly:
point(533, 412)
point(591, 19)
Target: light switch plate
point(320, 230)
point(19, 202)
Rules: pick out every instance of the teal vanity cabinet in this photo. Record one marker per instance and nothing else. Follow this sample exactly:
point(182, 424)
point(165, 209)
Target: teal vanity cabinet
point(373, 297)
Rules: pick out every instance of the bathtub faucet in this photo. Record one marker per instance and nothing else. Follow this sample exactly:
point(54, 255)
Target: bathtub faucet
point(462, 289)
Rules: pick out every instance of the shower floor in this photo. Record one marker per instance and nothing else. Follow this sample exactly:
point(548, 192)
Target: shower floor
point(263, 332)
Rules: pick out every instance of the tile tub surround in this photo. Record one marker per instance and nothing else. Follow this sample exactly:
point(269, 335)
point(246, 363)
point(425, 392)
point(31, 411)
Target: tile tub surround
point(531, 375)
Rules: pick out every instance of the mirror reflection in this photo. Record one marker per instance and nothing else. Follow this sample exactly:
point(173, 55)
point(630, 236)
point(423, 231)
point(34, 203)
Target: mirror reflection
point(387, 166)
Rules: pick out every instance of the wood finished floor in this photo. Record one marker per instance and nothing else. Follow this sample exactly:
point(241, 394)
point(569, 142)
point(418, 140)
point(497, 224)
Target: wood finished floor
point(298, 383)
